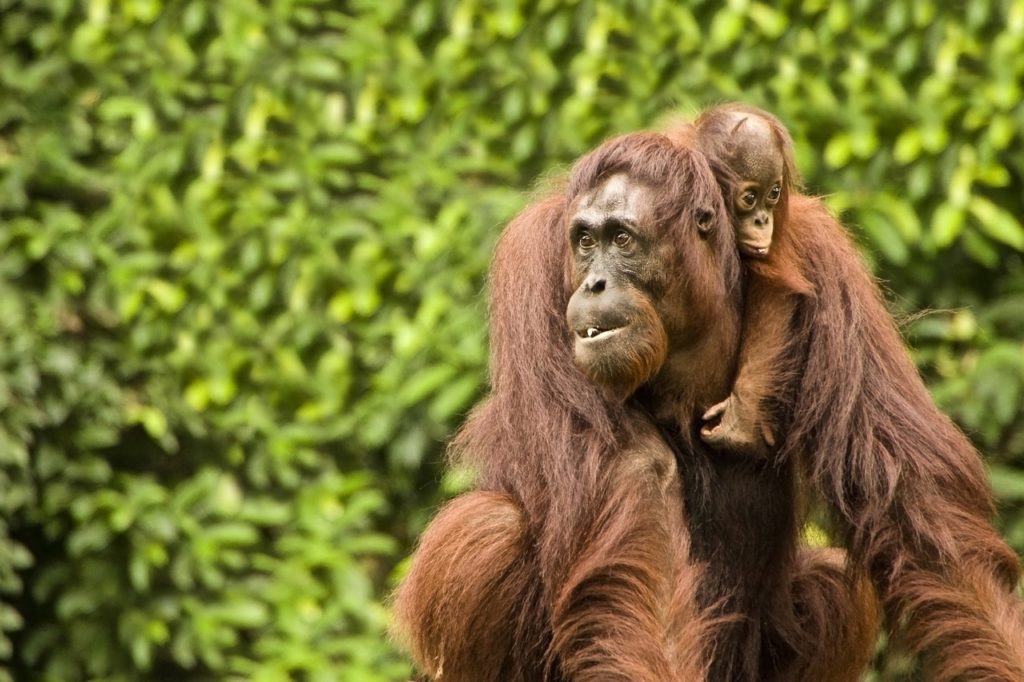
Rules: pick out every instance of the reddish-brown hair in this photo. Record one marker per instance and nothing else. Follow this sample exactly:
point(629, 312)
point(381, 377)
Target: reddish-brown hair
point(906, 486)
point(578, 556)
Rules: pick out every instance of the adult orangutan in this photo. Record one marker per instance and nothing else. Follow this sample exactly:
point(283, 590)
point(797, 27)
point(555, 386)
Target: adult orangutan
point(906, 486)
point(605, 540)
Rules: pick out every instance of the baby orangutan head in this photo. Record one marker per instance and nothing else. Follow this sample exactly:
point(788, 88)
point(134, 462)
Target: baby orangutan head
point(756, 153)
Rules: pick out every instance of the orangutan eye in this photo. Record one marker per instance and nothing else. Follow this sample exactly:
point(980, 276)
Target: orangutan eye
point(774, 193)
point(748, 198)
point(621, 238)
point(586, 241)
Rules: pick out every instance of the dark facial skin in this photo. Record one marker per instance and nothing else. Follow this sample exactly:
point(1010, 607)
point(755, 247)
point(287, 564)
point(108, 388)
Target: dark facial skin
point(620, 340)
point(758, 163)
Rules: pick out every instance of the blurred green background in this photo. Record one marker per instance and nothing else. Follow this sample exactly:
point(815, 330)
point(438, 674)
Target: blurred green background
point(243, 249)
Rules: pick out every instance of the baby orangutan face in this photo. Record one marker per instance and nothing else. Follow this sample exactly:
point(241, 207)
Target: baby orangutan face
point(758, 165)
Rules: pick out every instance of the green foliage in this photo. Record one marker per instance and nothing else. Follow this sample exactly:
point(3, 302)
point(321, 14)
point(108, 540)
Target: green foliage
point(242, 257)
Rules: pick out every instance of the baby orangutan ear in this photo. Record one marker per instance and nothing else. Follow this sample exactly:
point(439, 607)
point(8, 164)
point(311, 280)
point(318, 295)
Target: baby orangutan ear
point(705, 220)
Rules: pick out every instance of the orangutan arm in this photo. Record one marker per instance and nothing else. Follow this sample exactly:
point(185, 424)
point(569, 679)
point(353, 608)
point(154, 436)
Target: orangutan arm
point(906, 486)
point(743, 422)
point(473, 605)
point(471, 593)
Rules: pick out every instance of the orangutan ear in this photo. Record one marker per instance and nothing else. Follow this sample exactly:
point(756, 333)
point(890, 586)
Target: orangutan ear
point(705, 220)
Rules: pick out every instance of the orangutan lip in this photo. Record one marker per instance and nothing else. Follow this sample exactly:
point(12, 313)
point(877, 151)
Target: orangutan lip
point(594, 333)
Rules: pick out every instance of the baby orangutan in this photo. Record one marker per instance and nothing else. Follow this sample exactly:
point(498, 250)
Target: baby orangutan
point(752, 156)
point(823, 373)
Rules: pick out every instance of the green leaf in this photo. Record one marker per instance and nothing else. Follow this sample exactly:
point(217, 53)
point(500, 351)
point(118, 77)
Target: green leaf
point(726, 27)
point(885, 237)
point(997, 222)
point(908, 146)
point(244, 614)
point(1007, 483)
point(947, 224)
point(902, 216)
point(838, 150)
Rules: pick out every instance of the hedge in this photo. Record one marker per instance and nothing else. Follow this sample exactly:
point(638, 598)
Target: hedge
point(243, 249)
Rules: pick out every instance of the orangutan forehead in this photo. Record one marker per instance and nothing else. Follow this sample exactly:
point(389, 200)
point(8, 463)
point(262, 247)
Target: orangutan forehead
point(619, 195)
point(756, 154)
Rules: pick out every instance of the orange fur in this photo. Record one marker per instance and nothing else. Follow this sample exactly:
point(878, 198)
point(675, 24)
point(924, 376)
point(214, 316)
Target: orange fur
point(607, 542)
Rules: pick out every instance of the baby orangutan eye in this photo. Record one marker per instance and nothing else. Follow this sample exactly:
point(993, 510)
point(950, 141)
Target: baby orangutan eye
point(748, 198)
point(621, 239)
point(774, 193)
point(586, 241)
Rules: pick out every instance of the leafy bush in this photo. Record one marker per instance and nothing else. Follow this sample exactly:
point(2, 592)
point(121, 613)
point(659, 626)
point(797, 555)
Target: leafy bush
point(244, 245)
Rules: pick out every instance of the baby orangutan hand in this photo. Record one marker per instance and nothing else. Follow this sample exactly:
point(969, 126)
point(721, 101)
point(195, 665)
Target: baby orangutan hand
point(739, 427)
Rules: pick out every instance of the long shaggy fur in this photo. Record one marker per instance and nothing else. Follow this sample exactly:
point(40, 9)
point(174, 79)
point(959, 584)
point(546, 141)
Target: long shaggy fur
point(485, 624)
point(836, 618)
point(591, 550)
point(907, 487)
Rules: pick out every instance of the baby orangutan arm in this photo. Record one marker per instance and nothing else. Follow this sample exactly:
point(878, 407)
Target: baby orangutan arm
point(742, 422)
